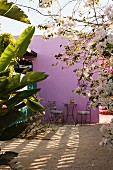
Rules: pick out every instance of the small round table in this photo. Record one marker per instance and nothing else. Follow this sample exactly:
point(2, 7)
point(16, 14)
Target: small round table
point(70, 107)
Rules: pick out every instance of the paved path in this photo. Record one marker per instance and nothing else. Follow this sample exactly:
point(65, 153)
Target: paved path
point(68, 148)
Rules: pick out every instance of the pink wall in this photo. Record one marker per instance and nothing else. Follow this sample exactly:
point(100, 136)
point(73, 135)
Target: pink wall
point(60, 83)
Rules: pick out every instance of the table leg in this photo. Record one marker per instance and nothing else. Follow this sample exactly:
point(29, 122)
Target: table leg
point(73, 115)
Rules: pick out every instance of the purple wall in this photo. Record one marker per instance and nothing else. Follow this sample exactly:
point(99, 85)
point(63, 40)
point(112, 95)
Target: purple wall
point(60, 83)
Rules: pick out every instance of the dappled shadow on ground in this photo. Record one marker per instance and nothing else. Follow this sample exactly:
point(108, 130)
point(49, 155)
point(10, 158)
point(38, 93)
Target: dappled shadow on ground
point(68, 148)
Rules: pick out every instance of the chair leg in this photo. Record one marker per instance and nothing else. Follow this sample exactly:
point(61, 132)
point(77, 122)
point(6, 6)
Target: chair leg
point(63, 120)
point(76, 119)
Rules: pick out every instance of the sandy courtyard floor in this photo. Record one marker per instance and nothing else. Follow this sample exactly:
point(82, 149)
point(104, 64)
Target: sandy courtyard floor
point(68, 148)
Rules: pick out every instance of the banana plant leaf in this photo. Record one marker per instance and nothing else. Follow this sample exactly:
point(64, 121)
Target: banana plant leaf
point(3, 85)
point(14, 81)
point(3, 78)
point(9, 10)
point(9, 118)
point(35, 107)
point(12, 131)
point(4, 73)
point(13, 49)
point(33, 75)
point(24, 40)
point(20, 96)
point(3, 88)
point(6, 56)
point(29, 78)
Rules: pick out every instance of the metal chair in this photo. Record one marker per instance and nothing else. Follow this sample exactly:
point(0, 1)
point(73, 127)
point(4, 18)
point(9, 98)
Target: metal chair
point(85, 113)
point(56, 116)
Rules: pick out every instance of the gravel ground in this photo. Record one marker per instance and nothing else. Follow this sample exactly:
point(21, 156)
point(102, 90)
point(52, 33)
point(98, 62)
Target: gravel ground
point(68, 148)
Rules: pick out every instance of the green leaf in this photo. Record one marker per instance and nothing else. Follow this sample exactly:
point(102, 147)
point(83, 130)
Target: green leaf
point(4, 73)
point(3, 86)
point(20, 96)
point(9, 118)
point(29, 78)
point(13, 131)
point(17, 48)
point(35, 107)
point(6, 56)
point(4, 6)
point(3, 78)
point(24, 40)
point(110, 46)
point(10, 10)
point(14, 81)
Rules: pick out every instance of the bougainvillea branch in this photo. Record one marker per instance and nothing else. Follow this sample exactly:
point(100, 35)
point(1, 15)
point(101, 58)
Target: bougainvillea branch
point(89, 31)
